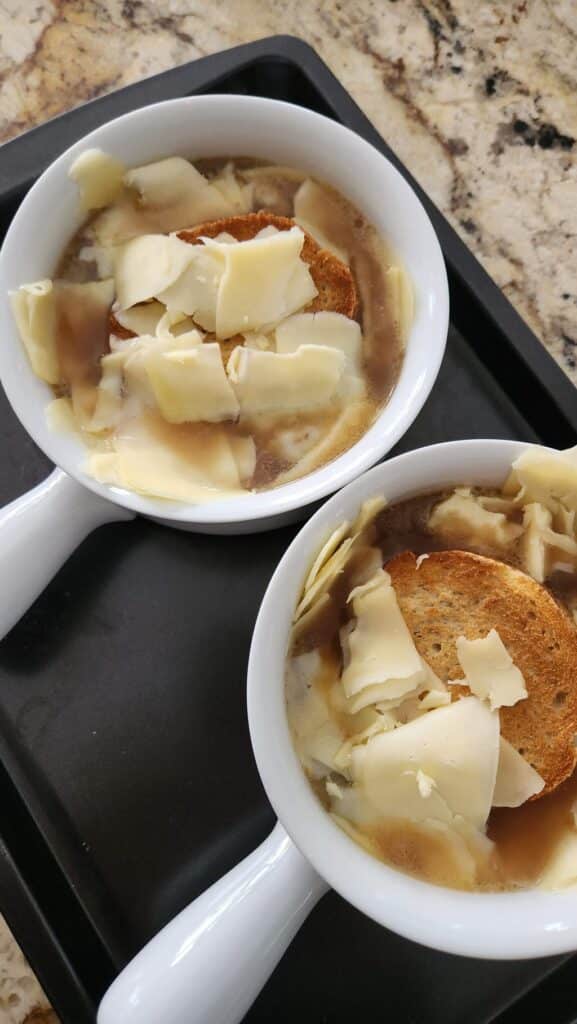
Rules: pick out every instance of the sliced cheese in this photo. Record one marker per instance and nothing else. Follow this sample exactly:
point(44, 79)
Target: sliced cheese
point(191, 384)
point(100, 257)
point(462, 518)
point(382, 722)
point(139, 462)
point(368, 512)
point(318, 213)
point(264, 280)
point(561, 870)
point(490, 671)
point(401, 299)
point(386, 696)
point(34, 311)
point(296, 382)
point(325, 577)
point(324, 328)
point(536, 521)
point(119, 223)
point(542, 549)
point(99, 178)
point(353, 420)
point(108, 408)
point(141, 319)
point(328, 548)
point(147, 266)
point(238, 197)
point(317, 735)
point(382, 650)
point(244, 451)
point(548, 476)
point(517, 780)
point(176, 195)
point(195, 291)
point(457, 747)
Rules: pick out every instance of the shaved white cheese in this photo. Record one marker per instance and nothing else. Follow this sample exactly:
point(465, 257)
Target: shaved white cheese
point(316, 734)
point(34, 311)
point(296, 382)
point(327, 549)
point(536, 520)
point(401, 299)
point(195, 291)
point(261, 342)
point(264, 280)
point(119, 223)
point(147, 266)
point(381, 646)
point(490, 671)
point(177, 325)
point(60, 416)
point(425, 784)
point(462, 518)
point(324, 328)
point(541, 547)
point(176, 195)
point(457, 747)
point(420, 561)
point(368, 512)
point(381, 722)
point(191, 384)
point(353, 420)
point(244, 451)
point(381, 694)
point(238, 197)
point(548, 476)
point(516, 780)
point(317, 212)
point(141, 319)
point(325, 576)
point(435, 699)
point(108, 408)
point(99, 178)
point(101, 257)
point(141, 463)
point(561, 869)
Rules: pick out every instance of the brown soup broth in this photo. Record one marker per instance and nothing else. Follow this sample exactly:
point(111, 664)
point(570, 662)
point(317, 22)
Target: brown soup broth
point(524, 837)
point(382, 355)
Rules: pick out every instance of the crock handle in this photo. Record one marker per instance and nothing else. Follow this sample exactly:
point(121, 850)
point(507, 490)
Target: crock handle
point(38, 532)
point(208, 965)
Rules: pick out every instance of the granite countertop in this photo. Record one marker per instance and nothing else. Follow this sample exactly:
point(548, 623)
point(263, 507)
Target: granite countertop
point(479, 100)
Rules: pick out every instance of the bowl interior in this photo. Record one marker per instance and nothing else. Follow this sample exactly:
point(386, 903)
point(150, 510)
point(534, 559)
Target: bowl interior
point(234, 126)
point(531, 923)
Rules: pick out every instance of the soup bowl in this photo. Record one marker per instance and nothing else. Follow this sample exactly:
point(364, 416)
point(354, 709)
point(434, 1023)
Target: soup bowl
point(38, 531)
point(211, 961)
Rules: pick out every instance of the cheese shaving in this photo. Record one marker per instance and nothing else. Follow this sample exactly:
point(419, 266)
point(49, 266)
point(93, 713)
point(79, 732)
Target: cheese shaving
point(490, 671)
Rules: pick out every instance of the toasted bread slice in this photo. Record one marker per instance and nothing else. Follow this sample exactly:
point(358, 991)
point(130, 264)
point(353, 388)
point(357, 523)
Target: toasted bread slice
point(336, 287)
point(333, 279)
point(457, 593)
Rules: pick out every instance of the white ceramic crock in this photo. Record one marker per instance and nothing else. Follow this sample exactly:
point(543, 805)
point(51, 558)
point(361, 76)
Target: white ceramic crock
point(207, 966)
point(38, 531)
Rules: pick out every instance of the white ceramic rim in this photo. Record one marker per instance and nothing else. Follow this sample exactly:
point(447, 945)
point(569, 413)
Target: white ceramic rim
point(417, 375)
point(491, 926)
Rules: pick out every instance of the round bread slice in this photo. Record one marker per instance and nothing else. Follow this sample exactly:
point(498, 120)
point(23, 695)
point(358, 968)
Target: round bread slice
point(337, 292)
point(457, 593)
point(336, 287)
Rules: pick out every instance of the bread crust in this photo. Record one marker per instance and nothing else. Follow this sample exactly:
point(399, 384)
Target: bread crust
point(337, 292)
point(458, 593)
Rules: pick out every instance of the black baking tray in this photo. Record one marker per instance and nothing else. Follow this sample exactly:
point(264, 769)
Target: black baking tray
point(127, 782)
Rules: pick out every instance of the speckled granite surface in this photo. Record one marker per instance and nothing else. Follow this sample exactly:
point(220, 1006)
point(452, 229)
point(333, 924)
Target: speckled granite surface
point(479, 99)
